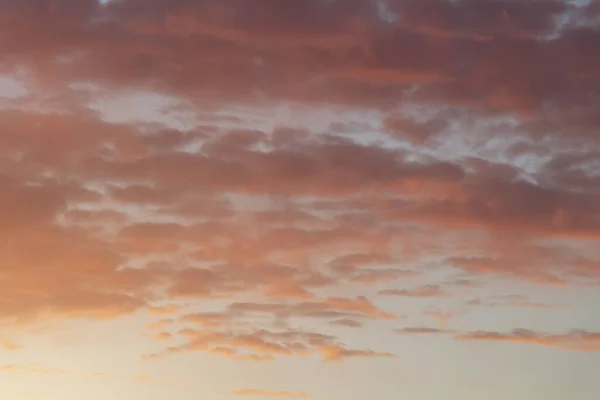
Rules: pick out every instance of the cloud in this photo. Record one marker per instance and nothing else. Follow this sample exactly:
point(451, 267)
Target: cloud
point(578, 340)
point(285, 163)
point(367, 268)
point(207, 319)
point(264, 345)
point(423, 291)
point(267, 393)
point(348, 323)
point(10, 345)
point(442, 317)
point(333, 307)
point(506, 206)
point(163, 336)
point(30, 369)
point(421, 331)
point(460, 50)
point(517, 301)
point(164, 310)
point(160, 324)
point(338, 353)
point(474, 19)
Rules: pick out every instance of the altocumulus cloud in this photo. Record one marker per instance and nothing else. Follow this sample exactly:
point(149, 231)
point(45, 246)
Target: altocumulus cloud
point(256, 176)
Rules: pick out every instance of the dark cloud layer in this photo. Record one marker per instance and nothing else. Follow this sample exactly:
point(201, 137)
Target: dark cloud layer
point(503, 55)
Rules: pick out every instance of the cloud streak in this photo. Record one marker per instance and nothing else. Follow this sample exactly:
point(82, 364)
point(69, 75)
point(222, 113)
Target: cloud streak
point(578, 340)
point(268, 393)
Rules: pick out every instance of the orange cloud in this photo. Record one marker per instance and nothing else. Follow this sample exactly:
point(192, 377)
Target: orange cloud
point(206, 319)
point(10, 345)
point(164, 310)
point(161, 323)
point(338, 353)
point(579, 340)
point(163, 336)
point(298, 159)
point(332, 307)
point(30, 369)
point(264, 345)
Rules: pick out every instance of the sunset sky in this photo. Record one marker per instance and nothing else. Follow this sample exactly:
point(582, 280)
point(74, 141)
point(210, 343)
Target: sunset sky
point(317, 199)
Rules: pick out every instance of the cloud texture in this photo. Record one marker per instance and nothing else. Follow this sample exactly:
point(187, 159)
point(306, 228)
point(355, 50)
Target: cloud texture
point(264, 178)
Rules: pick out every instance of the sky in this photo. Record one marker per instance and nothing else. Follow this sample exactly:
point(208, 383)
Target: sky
point(317, 199)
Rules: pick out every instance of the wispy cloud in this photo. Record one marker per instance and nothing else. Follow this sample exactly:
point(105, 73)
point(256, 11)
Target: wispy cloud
point(10, 345)
point(580, 340)
point(423, 291)
point(267, 393)
point(417, 330)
